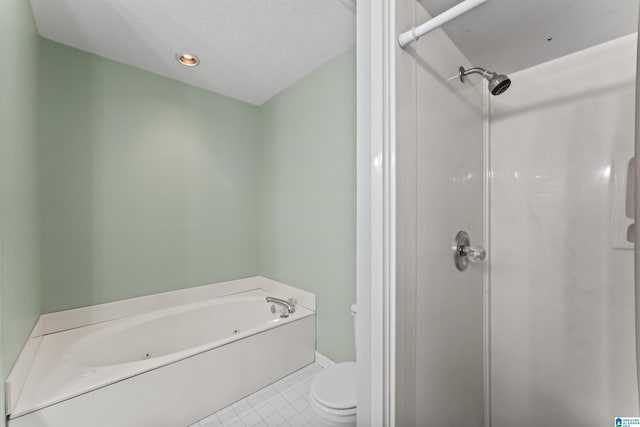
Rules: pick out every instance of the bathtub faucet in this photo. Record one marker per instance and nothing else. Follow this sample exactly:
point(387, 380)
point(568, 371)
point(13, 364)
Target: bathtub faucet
point(288, 305)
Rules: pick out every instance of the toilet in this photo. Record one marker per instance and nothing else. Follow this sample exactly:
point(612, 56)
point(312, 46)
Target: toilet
point(333, 391)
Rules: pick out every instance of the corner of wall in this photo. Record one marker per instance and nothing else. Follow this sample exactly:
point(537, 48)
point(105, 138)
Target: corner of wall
point(307, 195)
point(20, 285)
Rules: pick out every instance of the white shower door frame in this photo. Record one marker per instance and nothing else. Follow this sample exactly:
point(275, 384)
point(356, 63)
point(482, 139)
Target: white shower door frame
point(376, 212)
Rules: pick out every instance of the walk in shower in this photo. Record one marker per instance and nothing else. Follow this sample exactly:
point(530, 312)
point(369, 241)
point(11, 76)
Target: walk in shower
point(541, 330)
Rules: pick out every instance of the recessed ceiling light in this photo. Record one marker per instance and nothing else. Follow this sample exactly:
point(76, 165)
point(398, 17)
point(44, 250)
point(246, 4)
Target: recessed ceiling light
point(188, 59)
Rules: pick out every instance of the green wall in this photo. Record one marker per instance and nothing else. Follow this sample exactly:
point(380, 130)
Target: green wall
point(117, 183)
point(147, 184)
point(150, 185)
point(20, 290)
point(308, 196)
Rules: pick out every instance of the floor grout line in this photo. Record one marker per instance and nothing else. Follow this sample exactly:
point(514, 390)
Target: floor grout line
point(283, 403)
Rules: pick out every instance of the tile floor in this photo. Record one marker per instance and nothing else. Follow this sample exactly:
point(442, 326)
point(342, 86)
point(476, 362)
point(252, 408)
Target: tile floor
point(283, 403)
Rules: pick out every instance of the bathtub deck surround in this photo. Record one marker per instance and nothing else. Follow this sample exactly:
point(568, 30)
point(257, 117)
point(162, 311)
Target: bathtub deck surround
point(62, 320)
point(147, 352)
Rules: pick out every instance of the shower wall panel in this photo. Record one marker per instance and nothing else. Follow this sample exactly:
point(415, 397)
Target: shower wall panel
point(562, 296)
point(439, 151)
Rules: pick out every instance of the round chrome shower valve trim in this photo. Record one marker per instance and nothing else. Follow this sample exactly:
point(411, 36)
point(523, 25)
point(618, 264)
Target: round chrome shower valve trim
point(463, 252)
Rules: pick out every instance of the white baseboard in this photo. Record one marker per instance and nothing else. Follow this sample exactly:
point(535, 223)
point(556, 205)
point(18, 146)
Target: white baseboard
point(323, 360)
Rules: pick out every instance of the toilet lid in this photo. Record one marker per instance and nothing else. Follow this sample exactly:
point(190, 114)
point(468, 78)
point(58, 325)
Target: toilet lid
point(335, 387)
point(331, 413)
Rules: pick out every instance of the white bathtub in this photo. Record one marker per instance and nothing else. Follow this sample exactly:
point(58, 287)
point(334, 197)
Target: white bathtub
point(168, 367)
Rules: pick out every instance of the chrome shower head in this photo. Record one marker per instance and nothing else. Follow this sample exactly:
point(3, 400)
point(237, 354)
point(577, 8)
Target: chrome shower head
point(498, 83)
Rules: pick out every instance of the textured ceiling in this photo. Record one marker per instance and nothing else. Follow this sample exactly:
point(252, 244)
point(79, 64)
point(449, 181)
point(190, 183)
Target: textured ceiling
point(510, 35)
point(253, 49)
point(249, 49)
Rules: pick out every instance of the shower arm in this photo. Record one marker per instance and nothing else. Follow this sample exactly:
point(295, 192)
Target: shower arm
point(475, 70)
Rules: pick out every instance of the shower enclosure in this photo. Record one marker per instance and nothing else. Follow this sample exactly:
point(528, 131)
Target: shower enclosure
point(542, 332)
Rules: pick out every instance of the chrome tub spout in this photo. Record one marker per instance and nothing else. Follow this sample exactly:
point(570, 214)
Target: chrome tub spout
point(289, 305)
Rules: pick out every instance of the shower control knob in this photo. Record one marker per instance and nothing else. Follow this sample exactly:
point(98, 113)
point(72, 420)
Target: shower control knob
point(463, 252)
point(475, 253)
